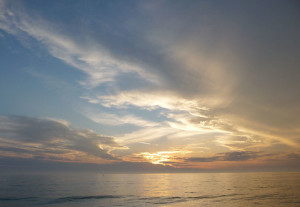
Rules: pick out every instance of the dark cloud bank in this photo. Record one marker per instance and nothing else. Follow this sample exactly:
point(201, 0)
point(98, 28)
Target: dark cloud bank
point(46, 138)
point(228, 156)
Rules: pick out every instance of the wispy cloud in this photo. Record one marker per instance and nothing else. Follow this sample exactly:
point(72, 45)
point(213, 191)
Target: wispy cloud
point(93, 59)
point(115, 120)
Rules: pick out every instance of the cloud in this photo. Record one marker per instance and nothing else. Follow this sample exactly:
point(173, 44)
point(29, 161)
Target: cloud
point(116, 120)
point(241, 142)
point(53, 139)
point(293, 156)
point(209, 70)
point(150, 100)
point(202, 159)
point(240, 156)
point(227, 156)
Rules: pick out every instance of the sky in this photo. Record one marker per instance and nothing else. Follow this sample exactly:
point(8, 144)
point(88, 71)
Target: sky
point(150, 85)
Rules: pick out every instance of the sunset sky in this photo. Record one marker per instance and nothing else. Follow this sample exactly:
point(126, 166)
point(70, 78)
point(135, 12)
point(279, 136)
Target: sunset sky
point(195, 85)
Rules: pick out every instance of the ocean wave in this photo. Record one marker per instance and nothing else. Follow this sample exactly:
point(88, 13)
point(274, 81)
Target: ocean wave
point(17, 198)
point(77, 198)
point(213, 196)
point(177, 199)
point(150, 200)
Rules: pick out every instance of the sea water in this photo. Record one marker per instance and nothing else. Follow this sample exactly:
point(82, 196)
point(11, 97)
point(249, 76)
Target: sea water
point(195, 189)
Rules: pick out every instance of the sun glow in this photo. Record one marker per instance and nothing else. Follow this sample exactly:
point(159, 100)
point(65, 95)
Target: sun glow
point(163, 157)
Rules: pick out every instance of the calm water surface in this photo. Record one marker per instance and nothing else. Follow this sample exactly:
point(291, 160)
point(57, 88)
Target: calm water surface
point(197, 189)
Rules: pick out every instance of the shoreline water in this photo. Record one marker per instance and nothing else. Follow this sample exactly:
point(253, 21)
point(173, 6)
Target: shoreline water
point(193, 189)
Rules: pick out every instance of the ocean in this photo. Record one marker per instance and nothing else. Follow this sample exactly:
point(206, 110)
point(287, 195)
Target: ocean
point(186, 189)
